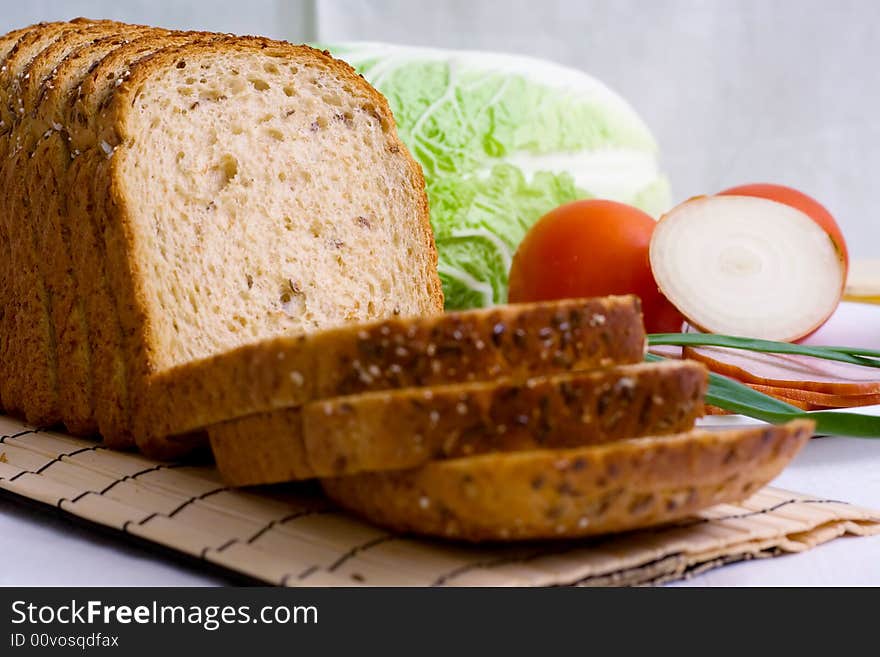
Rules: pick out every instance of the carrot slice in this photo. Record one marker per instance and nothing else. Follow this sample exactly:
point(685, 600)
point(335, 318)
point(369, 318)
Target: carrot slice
point(822, 399)
point(802, 404)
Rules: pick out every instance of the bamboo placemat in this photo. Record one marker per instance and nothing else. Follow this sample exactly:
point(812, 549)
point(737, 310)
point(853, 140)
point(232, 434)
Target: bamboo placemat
point(292, 536)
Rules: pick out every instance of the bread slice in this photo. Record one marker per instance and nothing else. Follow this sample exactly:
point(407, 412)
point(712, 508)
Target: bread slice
point(83, 106)
point(30, 380)
point(477, 345)
point(8, 285)
point(7, 43)
point(292, 182)
point(50, 163)
point(573, 492)
point(41, 162)
point(76, 335)
point(264, 448)
point(407, 428)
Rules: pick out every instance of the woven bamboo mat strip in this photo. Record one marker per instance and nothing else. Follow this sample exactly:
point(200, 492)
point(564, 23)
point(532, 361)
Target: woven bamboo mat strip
point(292, 536)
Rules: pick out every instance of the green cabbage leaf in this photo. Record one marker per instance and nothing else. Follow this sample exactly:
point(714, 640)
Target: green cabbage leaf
point(502, 140)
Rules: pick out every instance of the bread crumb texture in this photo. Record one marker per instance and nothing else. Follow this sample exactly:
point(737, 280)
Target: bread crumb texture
point(266, 196)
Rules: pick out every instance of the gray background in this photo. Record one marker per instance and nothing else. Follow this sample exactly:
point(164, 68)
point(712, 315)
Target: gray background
point(736, 91)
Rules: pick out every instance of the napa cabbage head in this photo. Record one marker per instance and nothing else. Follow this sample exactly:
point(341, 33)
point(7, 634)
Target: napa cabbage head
point(502, 140)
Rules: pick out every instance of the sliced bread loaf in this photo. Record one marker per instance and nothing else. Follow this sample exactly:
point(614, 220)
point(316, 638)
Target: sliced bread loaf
point(41, 163)
point(409, 427)
point(573, 492)
point(257, 157)
point(515, 341)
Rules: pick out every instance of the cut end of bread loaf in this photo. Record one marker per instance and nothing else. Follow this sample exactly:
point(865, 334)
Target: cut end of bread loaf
point(264, 191)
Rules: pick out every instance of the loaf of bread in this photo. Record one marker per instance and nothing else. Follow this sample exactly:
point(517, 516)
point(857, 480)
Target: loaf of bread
point(573, 492)
point(175, 196)
point(404, 428)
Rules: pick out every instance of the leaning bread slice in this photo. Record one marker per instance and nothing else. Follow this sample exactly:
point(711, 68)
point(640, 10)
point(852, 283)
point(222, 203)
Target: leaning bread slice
point(253, 189)
point(82, 109)
point(7, 43)
point(79, 290)
point(573, 492)
point(51, 162)
point(517, 341)
point(27, 376)
point(40, 164)
point(405, 428)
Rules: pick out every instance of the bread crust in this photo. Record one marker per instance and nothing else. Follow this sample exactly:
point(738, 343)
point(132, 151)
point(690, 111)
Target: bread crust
point(31, 381)
point(7, 43)
point(407, 428)
point(120, 241)
point(266, 448)
point(52, 160)
point(516, 341)
point(573, 492)
point(44, 160)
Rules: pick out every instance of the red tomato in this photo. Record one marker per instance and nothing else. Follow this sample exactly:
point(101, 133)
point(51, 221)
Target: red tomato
point(799, 201)
point(589, 249)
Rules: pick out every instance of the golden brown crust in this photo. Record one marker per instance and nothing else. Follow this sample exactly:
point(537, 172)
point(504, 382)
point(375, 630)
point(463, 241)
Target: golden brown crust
point(409, 427)
point(574, 492)
point(7, 43)
point(31, 382)
point(30, 379)
point(266, 448)
point(516, 341)
point(52, 160)
point(88, 263)
point(406, 428)
point(44, 160)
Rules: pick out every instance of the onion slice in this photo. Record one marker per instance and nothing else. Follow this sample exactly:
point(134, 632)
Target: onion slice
point(747, 266)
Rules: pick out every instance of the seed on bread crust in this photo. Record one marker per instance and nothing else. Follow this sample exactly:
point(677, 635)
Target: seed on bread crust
point(404, 428)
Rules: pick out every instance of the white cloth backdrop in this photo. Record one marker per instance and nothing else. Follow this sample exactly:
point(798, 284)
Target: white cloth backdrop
point(751, 90)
